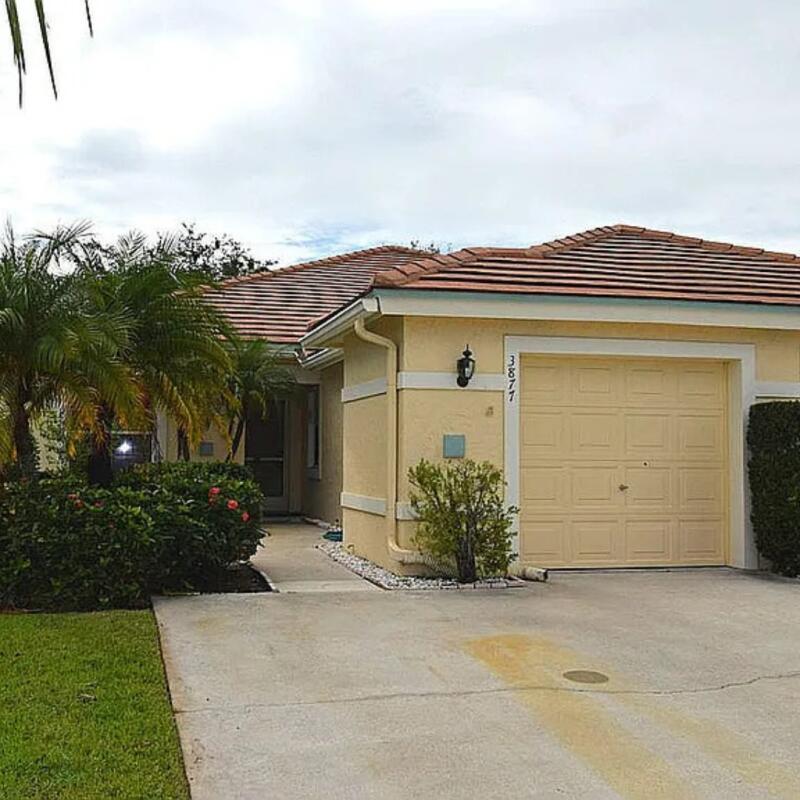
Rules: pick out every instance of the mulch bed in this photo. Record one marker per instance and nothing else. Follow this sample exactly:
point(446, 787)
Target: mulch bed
point(235, 579)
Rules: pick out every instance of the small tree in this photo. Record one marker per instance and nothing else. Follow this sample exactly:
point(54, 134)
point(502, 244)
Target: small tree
point(464, 526)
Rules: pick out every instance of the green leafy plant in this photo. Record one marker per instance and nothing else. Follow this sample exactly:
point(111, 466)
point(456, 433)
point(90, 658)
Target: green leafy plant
point(67, 545)
point(464, 526)
point(773, 437)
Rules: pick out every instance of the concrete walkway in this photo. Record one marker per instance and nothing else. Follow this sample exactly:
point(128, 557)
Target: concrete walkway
point(290, 560)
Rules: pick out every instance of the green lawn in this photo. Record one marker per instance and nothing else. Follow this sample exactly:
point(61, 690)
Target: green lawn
point(84, 711)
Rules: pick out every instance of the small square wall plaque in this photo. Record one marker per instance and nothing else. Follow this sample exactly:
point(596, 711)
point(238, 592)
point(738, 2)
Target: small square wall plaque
point(454, 445)
point(206, 449)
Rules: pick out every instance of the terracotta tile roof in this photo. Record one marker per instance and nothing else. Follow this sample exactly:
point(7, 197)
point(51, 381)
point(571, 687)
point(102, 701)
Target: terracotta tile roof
point(280, 304)
point(614, 261)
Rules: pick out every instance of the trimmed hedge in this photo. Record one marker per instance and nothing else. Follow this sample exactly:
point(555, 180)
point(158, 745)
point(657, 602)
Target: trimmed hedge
point(65, 545)
point(773, 437)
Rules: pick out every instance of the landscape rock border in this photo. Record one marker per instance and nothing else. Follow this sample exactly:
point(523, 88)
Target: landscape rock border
point(388, 580)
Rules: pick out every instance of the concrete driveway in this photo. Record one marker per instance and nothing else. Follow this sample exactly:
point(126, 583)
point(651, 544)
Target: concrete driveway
point(463, 695)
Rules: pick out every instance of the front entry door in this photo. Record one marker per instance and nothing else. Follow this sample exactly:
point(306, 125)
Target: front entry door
point(265, 454)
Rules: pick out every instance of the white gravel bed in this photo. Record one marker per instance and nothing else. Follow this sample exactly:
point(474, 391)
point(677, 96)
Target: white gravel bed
point(388, 580)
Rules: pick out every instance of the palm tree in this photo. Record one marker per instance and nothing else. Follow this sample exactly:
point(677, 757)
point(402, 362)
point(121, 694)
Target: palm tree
point(257, 378)
point(18, 45)
point(54, 349)
point(174, 349)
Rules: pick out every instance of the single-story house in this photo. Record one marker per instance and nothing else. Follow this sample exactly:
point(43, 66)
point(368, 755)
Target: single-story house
point(613, 371)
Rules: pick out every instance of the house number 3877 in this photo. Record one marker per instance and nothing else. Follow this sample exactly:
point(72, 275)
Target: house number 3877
point(511, 376)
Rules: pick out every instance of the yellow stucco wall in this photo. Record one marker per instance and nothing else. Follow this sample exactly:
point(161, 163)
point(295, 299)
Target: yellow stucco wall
point(322, 495)
point(428, 344)
point(170, 447)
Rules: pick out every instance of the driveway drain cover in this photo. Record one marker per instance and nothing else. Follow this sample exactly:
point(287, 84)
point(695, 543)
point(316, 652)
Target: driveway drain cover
point(585, 676)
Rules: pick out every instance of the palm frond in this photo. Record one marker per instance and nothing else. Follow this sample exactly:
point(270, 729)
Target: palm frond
point(46, 43)
point(16, 42)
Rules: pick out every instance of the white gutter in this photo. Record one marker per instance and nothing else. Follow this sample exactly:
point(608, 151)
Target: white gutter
point(395, 551)
point(341, 322)
point(319, 359)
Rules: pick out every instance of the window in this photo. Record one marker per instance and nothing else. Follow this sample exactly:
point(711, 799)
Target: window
point(312, 432)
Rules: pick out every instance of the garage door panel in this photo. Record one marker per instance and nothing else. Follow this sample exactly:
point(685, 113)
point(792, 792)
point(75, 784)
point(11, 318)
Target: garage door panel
point(544, 542)
point(649, 541)
point(701, 386)
point(595, 434)
point(545, 383)
point(648, 487)
point(595, 385)
point(701, 541)
point(595, 488)
point(623, 462)
point(700, 436)
point(701, 490)
point(649, 435)
point(595, 541)
point(543, 435)
point(544, 488)
point(650, 385)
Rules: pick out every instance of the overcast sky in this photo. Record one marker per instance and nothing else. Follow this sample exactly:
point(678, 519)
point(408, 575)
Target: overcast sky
point(306, 127)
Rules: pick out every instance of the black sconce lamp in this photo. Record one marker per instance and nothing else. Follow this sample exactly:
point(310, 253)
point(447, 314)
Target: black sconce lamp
point(466, 368)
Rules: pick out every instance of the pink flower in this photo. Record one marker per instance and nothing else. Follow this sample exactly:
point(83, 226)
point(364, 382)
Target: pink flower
point(232, 505)
point(72, 496)
point(79, 504)
point(213, 491)
point(245, 516)
point(98, 504)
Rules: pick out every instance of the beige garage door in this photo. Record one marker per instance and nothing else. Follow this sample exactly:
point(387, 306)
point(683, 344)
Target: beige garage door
point(622, 462)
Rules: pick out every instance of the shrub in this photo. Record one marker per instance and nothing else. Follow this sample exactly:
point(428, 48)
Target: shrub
point(773, 437)
point(66, 545)
point(464, 527)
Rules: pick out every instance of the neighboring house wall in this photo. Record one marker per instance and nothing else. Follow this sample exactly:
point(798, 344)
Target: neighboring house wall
point(219, 446)
point(323, 491)
point(430, 347)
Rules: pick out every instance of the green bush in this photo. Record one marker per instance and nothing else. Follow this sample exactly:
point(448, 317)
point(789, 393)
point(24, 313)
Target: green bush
point(773, 437)
point(65, 545)
point(464, 527)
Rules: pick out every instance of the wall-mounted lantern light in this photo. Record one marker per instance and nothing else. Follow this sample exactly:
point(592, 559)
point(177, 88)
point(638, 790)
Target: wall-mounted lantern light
point(466, 368)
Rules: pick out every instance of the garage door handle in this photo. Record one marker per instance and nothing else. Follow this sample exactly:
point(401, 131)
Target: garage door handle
point(623, 487)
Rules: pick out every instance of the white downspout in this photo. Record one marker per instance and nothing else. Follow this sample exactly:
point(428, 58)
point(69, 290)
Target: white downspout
point(395, 551)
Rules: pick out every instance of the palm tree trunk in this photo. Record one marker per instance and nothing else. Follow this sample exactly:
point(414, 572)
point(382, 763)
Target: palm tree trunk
point(236, 440)
point(100, 472)
point(24, 445)
point(183, 445)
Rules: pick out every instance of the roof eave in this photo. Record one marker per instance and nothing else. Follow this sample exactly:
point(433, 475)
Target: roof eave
point(333, 327)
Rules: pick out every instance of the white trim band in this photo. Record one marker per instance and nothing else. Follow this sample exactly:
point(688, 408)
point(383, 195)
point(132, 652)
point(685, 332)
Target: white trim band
point(361, 502)
point(778, 389)
point(485, 382)
point(361, 390)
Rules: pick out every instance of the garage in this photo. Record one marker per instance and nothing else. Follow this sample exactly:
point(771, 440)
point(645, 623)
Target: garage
point(622, 461)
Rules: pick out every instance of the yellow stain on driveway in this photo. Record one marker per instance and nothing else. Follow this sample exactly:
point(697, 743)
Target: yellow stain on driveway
point(578, 720)
point(731, 751)
point(535, 666)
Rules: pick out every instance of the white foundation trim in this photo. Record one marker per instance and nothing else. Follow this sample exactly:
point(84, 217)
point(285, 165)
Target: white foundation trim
point(777, 389)
point(361, 502)
point(486, 382)
point(361, 390)
point(742, 552)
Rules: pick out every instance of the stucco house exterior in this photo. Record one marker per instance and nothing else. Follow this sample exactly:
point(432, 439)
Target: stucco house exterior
point(614, 370)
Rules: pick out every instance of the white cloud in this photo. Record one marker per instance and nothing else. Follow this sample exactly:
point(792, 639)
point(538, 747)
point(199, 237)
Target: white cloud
point(304, 127)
